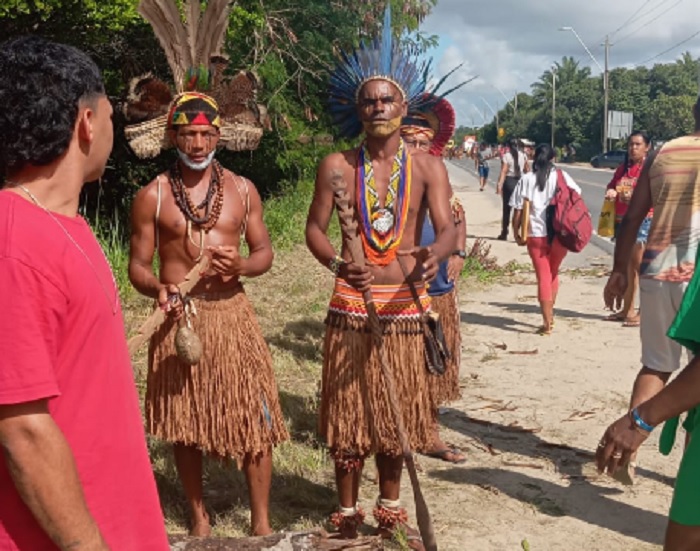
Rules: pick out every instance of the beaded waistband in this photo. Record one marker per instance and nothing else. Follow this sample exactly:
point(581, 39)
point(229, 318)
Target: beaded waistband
point(393, 302)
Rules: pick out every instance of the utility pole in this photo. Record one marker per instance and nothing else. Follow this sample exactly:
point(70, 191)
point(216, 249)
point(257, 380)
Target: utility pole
point(606, 89)
point(554, 103)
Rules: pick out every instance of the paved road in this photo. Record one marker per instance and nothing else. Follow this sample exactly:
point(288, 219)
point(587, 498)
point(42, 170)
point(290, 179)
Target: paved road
point(592, 181)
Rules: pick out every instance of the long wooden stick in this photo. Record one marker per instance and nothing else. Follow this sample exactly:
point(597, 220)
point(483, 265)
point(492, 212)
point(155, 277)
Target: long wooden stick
point(348, 225)
point(156, 319)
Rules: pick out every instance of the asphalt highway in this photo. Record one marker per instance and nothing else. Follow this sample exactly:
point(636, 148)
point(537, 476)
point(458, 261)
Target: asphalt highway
point(592, 181)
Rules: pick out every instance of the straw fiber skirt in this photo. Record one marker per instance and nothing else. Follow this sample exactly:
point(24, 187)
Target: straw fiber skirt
point(356, 415)
point(228, 403)
point(445, 388)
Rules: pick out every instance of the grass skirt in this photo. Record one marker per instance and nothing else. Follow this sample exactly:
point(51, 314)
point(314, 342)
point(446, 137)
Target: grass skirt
point(228, 403)
point(445, 388)
point(356, 416)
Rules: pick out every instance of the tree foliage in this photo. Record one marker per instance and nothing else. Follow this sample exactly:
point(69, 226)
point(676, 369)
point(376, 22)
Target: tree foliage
point(660, 98)
point(290, 44)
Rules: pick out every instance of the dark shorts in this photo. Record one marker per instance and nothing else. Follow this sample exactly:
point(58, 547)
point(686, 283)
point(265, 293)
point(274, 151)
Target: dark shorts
point(483, 171)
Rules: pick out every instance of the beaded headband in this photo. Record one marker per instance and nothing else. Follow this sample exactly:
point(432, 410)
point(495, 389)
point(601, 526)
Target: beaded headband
point(194, 108)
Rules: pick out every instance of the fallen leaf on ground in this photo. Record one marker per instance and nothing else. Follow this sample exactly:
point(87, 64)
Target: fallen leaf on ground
point(580, 416)
point(501, 346)
point(523, 464)
point(515, 427)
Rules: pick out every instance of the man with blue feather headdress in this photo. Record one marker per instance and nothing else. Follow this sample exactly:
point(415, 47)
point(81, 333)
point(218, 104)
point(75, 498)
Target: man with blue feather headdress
point(371, 90)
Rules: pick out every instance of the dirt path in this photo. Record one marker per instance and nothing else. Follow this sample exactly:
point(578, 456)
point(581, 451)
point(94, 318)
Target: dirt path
point(532, 412)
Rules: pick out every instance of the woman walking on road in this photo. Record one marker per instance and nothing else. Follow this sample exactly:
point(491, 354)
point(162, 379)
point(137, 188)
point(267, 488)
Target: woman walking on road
point(547, 253)
point(483, 154)
point(620, 190)
point(513, 165)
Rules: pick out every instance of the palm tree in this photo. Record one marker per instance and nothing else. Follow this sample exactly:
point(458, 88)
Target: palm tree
point(567, 71)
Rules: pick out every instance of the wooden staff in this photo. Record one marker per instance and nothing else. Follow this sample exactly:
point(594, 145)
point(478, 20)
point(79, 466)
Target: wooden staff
point(348, 226)
point(156, 319)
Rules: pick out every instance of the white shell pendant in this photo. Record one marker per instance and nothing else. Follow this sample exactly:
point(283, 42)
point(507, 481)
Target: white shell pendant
point(383, 221)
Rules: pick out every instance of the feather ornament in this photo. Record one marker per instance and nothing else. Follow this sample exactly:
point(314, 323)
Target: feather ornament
point(189, 42)
point(383, 59)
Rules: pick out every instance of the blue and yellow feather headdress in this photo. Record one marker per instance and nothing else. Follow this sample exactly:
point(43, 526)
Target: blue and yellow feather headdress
point(382, 59)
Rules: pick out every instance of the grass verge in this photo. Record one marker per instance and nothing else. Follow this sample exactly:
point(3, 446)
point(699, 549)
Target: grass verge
point(484, 268)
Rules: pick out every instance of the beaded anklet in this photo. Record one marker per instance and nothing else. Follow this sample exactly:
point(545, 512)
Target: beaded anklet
point(347, 520)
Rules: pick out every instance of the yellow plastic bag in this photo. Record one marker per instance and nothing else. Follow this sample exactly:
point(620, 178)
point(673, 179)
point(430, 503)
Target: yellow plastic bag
point(606, 222)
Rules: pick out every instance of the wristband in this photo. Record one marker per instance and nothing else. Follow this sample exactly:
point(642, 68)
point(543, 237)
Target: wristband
point(646, 427)
point(335, 263)
point(460, 253)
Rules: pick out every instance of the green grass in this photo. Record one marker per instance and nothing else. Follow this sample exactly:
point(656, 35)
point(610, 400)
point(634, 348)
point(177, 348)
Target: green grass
point(285, 216)
point(481, 265)
point(114, 238)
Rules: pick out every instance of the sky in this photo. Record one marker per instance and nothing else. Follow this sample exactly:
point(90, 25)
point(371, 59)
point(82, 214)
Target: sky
point(510, 43)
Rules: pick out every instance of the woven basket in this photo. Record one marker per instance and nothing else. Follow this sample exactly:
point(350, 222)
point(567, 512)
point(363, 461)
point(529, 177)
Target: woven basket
point(148, 139)
point(237, 136)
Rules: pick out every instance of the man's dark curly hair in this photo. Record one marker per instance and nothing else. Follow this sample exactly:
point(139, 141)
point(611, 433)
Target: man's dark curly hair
point(41, 88)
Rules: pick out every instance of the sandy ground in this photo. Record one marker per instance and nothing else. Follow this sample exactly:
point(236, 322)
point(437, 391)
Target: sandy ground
point(532, 412)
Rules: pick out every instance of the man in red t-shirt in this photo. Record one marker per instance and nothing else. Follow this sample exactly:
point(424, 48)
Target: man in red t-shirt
point(75, 472)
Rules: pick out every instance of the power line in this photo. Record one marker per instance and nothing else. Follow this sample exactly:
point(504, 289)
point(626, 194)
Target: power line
point(652, 20)
point(670, 49)
point(630, 19)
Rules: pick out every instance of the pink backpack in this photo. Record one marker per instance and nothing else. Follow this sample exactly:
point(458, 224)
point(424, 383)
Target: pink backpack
point(570, 219)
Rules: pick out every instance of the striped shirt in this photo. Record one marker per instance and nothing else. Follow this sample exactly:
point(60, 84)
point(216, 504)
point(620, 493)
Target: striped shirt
point(675, 229)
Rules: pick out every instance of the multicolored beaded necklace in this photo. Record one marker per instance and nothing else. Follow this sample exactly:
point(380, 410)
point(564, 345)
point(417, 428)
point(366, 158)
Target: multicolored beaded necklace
point(383, 226)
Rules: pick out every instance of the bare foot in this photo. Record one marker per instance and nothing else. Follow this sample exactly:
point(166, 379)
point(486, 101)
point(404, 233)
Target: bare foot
point(631, 321)
point(440, 450)
point(404, 533)
point(201, 527)
point(262, 530)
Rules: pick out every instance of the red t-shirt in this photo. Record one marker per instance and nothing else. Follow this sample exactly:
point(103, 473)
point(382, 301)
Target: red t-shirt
point(61, 340)
point(625, 178)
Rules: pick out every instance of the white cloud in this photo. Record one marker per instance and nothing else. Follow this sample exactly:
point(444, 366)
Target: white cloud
point(511, 42)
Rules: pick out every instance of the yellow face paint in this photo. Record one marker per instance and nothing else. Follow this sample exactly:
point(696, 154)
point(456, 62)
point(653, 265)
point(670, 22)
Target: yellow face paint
point(382, 129)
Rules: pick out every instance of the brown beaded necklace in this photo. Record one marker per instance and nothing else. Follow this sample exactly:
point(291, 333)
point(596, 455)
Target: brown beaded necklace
point(213, 201)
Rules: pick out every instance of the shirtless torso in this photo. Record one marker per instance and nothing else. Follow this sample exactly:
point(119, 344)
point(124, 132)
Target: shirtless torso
point(429, 189)
point(179, 248)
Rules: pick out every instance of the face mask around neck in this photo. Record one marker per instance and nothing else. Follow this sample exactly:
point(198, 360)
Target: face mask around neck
point(197, 167)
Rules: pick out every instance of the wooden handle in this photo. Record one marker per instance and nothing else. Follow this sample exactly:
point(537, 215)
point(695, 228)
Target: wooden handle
point(156, 319)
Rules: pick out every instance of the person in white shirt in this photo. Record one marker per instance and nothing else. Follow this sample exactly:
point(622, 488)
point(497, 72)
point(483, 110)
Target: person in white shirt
point(547, 253)
point(513, 165)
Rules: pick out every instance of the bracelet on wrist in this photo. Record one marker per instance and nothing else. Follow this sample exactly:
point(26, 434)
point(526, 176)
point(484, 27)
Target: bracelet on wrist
point(335, 263)
point(637, 420)
point(460, 253)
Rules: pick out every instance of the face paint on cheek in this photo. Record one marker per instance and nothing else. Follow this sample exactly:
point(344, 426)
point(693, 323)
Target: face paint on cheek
point(382, 129)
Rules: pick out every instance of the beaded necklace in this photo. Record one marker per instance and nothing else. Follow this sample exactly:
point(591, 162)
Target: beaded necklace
point(211, 204)
point(383, 226)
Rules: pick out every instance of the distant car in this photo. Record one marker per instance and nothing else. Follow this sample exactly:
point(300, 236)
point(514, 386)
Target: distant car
point(611, 159)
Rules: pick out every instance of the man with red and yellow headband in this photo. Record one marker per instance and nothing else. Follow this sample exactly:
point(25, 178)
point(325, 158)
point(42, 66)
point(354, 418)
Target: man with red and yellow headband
point(225, 405)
